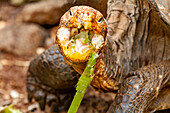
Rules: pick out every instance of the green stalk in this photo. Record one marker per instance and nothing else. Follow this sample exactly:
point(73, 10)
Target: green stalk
point(83, 83)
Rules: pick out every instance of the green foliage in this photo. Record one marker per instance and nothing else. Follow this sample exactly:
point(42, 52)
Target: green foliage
point(83, 83)
point(10, 109)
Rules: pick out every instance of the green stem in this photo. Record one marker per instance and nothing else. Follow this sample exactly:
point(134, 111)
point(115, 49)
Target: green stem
point(83, 83)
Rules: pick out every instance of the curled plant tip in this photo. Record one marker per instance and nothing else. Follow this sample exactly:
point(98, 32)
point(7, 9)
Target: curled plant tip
point(9, 109)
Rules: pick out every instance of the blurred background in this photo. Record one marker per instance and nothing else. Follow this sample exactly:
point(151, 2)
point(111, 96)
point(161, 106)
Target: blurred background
point(27, 28)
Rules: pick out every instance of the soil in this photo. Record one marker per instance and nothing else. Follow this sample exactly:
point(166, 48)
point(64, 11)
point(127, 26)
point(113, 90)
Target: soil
point(12, 81)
